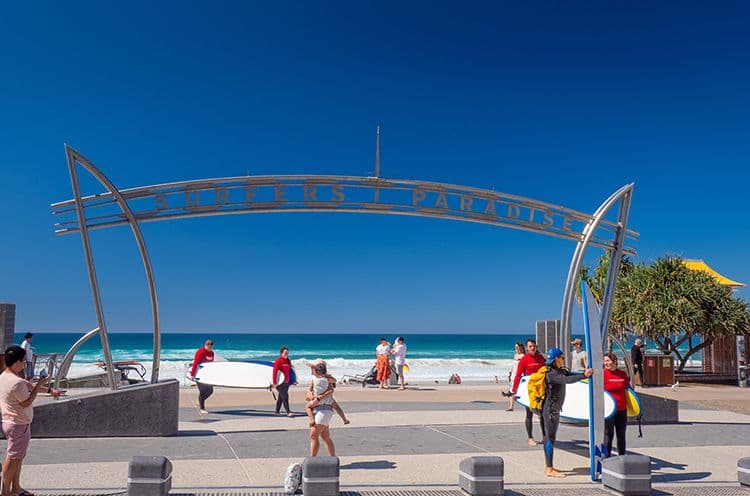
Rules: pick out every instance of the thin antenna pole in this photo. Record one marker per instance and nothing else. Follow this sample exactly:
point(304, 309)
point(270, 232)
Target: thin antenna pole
point(377, 154)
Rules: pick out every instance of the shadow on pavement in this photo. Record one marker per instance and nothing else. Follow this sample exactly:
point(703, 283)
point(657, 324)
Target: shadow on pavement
point(659, 464)
point(195, 433)
point(250, 413)
point(373, 465)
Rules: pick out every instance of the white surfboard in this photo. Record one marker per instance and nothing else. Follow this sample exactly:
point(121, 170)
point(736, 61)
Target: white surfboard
point(235, 374)
point(576, 405)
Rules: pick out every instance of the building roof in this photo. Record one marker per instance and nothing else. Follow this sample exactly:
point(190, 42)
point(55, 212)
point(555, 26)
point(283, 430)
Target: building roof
point(701, 265)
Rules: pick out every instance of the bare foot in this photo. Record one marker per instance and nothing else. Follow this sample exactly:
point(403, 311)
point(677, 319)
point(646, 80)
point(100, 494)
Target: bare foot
point(532, 442)
point(290, 414)
point(346, 421)
point(203, 411)
point(509, 409)
point(402, 389)
point(551, 472)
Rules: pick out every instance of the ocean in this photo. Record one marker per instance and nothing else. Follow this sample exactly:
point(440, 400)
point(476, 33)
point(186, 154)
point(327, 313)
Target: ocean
point(431, 357)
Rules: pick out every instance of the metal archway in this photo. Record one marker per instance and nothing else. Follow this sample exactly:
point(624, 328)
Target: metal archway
point(309, 193)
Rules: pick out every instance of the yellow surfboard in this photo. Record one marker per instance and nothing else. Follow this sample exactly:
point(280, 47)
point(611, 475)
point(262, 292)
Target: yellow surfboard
point(634, 403)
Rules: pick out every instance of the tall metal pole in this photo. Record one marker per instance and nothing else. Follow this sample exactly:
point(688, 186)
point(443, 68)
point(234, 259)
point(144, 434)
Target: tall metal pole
point(377, 154)
point(91, 269)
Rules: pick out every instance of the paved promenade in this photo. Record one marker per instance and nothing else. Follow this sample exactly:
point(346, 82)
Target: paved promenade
point(413, 438)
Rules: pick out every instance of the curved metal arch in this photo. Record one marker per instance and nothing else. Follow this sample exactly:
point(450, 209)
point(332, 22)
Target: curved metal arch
point(114, 196)
point(250, 194)
point(623, 195)
point(76, 157)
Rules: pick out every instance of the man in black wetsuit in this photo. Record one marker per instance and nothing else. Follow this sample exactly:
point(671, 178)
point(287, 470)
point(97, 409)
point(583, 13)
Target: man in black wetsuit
point(556, 379)
point(636, 356)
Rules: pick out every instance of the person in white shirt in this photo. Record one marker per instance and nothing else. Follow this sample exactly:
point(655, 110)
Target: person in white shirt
point(578, 357)
point(399, 351)
point(26, 345)
point(383, 354)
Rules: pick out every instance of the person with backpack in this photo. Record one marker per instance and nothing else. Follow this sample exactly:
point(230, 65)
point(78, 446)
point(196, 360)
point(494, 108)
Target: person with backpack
point(556, 376)
point(530, 363)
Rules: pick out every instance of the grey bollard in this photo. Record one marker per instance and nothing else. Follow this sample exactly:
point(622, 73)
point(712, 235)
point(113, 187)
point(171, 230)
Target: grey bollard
point(320, 476)
point(149, 476)
point(629, 475)
point(743, 471)
point(482, 475)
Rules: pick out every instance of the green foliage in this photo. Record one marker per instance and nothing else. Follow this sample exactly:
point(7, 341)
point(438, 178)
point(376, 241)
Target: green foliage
point(671, 305)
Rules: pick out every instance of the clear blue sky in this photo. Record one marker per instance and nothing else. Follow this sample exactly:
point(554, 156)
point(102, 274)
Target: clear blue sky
point(560, 101)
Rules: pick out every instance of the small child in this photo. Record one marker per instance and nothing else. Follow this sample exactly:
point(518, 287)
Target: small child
point(320, 394)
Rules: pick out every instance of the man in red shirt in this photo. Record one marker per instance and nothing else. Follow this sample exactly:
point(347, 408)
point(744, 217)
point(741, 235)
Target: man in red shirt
point(530, 363)
point(204, 354)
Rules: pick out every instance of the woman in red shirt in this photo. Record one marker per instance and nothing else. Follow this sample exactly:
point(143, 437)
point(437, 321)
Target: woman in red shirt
point(283, 365)
point(616, 382)
point(204, 354)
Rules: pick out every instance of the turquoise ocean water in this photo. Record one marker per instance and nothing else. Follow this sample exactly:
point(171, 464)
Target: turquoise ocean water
point(477, 357)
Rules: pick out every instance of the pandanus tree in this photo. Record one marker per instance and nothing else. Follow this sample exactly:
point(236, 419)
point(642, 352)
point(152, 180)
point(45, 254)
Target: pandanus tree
point(672, 305)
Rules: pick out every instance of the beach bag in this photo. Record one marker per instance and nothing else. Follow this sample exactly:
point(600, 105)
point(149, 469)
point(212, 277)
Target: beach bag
point(293, 478)
point(537, 389)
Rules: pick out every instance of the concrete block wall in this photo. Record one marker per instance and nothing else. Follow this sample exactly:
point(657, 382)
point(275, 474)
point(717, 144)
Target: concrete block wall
point(138, 410)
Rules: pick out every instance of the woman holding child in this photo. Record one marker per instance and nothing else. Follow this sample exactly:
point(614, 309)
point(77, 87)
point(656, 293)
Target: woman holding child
point(320, 408)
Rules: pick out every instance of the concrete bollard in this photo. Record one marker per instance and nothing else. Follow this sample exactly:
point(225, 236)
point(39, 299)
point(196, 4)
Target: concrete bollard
point(481, 475)
point(743, 471)
point(149, 476)
point(320, 476)
point(629, 475)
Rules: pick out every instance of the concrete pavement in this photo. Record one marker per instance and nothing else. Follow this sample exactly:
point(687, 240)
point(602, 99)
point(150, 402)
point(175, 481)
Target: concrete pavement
point(396, 439)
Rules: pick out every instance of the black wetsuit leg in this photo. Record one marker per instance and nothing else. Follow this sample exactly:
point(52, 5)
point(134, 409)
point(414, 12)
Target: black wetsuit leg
point(529, 422)
point(283, 398)
point(621, 424)
point(551, 423)
point(204, 391)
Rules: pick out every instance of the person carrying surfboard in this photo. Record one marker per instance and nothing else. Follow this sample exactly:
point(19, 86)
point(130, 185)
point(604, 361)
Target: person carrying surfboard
point(204, 354)
point(530, 363)
point(617, 383)
point(283, 365)
point(555, 380)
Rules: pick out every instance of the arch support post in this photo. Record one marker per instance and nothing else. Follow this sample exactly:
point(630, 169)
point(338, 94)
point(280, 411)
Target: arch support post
point(74, 158)
point(624, 197)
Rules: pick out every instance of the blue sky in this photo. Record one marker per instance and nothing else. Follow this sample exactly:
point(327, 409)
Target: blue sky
point(552, 100)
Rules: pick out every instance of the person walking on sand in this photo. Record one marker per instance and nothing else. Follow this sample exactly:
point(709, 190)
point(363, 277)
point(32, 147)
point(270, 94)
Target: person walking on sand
point(399, 351)
point(578, 358)
point(382, 354)
point(29, 362)
point(512, 375)
point(321, 409)
point(555, 380)
point(283, 365)
point(530, 363)
point(616, 383)
point(16, 398)
point(204, 354)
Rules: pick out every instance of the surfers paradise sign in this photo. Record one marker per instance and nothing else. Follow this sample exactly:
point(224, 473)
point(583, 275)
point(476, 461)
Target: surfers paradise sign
point(305, 193)
point(332, 193)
